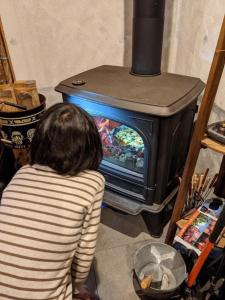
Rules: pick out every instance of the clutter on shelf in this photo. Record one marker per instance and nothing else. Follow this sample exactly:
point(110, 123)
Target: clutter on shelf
point(200, 188)
point(196, 227)
point(19, 96)
point(196, 230)
point(216, 131)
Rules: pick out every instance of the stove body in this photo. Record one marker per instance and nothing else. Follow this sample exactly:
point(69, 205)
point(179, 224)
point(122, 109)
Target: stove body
point(145, 123)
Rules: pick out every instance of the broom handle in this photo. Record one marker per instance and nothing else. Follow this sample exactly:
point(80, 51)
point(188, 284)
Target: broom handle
point(208, 248)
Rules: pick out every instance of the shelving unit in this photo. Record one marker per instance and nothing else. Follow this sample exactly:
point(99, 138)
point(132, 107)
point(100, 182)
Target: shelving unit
point(7, 74)
point(198, 139)
point(213, 145)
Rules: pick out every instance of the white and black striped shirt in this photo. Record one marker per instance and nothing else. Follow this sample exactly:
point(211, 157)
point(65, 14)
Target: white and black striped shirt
point(48, 231)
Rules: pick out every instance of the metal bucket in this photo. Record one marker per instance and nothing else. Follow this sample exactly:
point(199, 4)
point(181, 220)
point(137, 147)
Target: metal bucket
point(19, 127)
point(164, 264)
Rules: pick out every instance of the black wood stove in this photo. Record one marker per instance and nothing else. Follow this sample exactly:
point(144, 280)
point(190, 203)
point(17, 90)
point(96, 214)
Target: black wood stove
point(145, 121)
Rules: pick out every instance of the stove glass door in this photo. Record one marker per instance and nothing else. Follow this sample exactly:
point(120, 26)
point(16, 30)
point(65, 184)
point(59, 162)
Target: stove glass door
point(123, 147)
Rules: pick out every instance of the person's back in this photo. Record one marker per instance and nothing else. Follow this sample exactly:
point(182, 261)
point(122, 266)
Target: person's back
point(48, 230)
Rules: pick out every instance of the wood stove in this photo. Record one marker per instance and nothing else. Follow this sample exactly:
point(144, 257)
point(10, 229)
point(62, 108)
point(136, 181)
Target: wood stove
point(145, 121)
point(145, 124)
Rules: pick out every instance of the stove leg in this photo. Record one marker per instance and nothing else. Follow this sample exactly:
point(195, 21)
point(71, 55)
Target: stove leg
point(155, 222)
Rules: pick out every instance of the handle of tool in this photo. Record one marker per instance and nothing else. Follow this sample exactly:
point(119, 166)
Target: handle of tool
point(205, 176)
point(199, 263)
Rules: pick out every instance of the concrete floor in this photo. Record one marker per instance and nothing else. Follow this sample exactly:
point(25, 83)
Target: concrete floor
point(120, 235)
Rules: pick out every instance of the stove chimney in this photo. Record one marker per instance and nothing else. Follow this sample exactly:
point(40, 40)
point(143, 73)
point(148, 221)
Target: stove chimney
point(148, 21)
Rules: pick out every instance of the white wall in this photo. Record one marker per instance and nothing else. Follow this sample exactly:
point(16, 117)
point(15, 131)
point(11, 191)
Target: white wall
point(51, 40)
point(196, 26)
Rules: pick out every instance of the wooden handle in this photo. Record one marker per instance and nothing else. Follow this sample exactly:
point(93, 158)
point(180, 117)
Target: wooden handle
point(146, 282)
point(199, 263)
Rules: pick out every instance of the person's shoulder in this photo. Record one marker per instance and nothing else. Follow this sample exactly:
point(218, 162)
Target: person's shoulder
point(95, 176)
point(23, 169)
point(36, 170)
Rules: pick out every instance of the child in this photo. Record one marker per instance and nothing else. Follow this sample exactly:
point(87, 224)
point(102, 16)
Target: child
point(50, 211)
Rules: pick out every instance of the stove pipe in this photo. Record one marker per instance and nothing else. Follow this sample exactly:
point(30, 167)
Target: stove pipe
point(148, 21)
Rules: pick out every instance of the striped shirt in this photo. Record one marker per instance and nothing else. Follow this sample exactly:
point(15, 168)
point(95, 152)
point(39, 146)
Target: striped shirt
point(48, 231)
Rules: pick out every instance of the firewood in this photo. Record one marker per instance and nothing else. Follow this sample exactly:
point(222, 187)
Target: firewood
point(26, 93)
point(6, 107)
point(7, 93)
point(146, 282)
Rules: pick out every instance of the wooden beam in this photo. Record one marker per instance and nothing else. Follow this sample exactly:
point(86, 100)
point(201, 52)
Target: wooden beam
point(8, 62)
point(214, 145)
point(212, 84)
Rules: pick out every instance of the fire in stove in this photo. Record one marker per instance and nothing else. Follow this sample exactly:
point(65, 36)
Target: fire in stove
point(122, 145)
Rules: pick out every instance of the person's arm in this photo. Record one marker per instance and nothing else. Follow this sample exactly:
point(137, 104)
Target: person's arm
point(86, 248)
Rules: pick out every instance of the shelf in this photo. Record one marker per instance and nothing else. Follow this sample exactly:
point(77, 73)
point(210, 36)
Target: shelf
point(211, 144)
point(221, 241)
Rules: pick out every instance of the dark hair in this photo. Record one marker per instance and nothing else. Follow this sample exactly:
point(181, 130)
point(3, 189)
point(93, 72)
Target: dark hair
point(67, 140)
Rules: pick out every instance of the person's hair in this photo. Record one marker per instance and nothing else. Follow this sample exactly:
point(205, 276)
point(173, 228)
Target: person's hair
point(67, 140)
